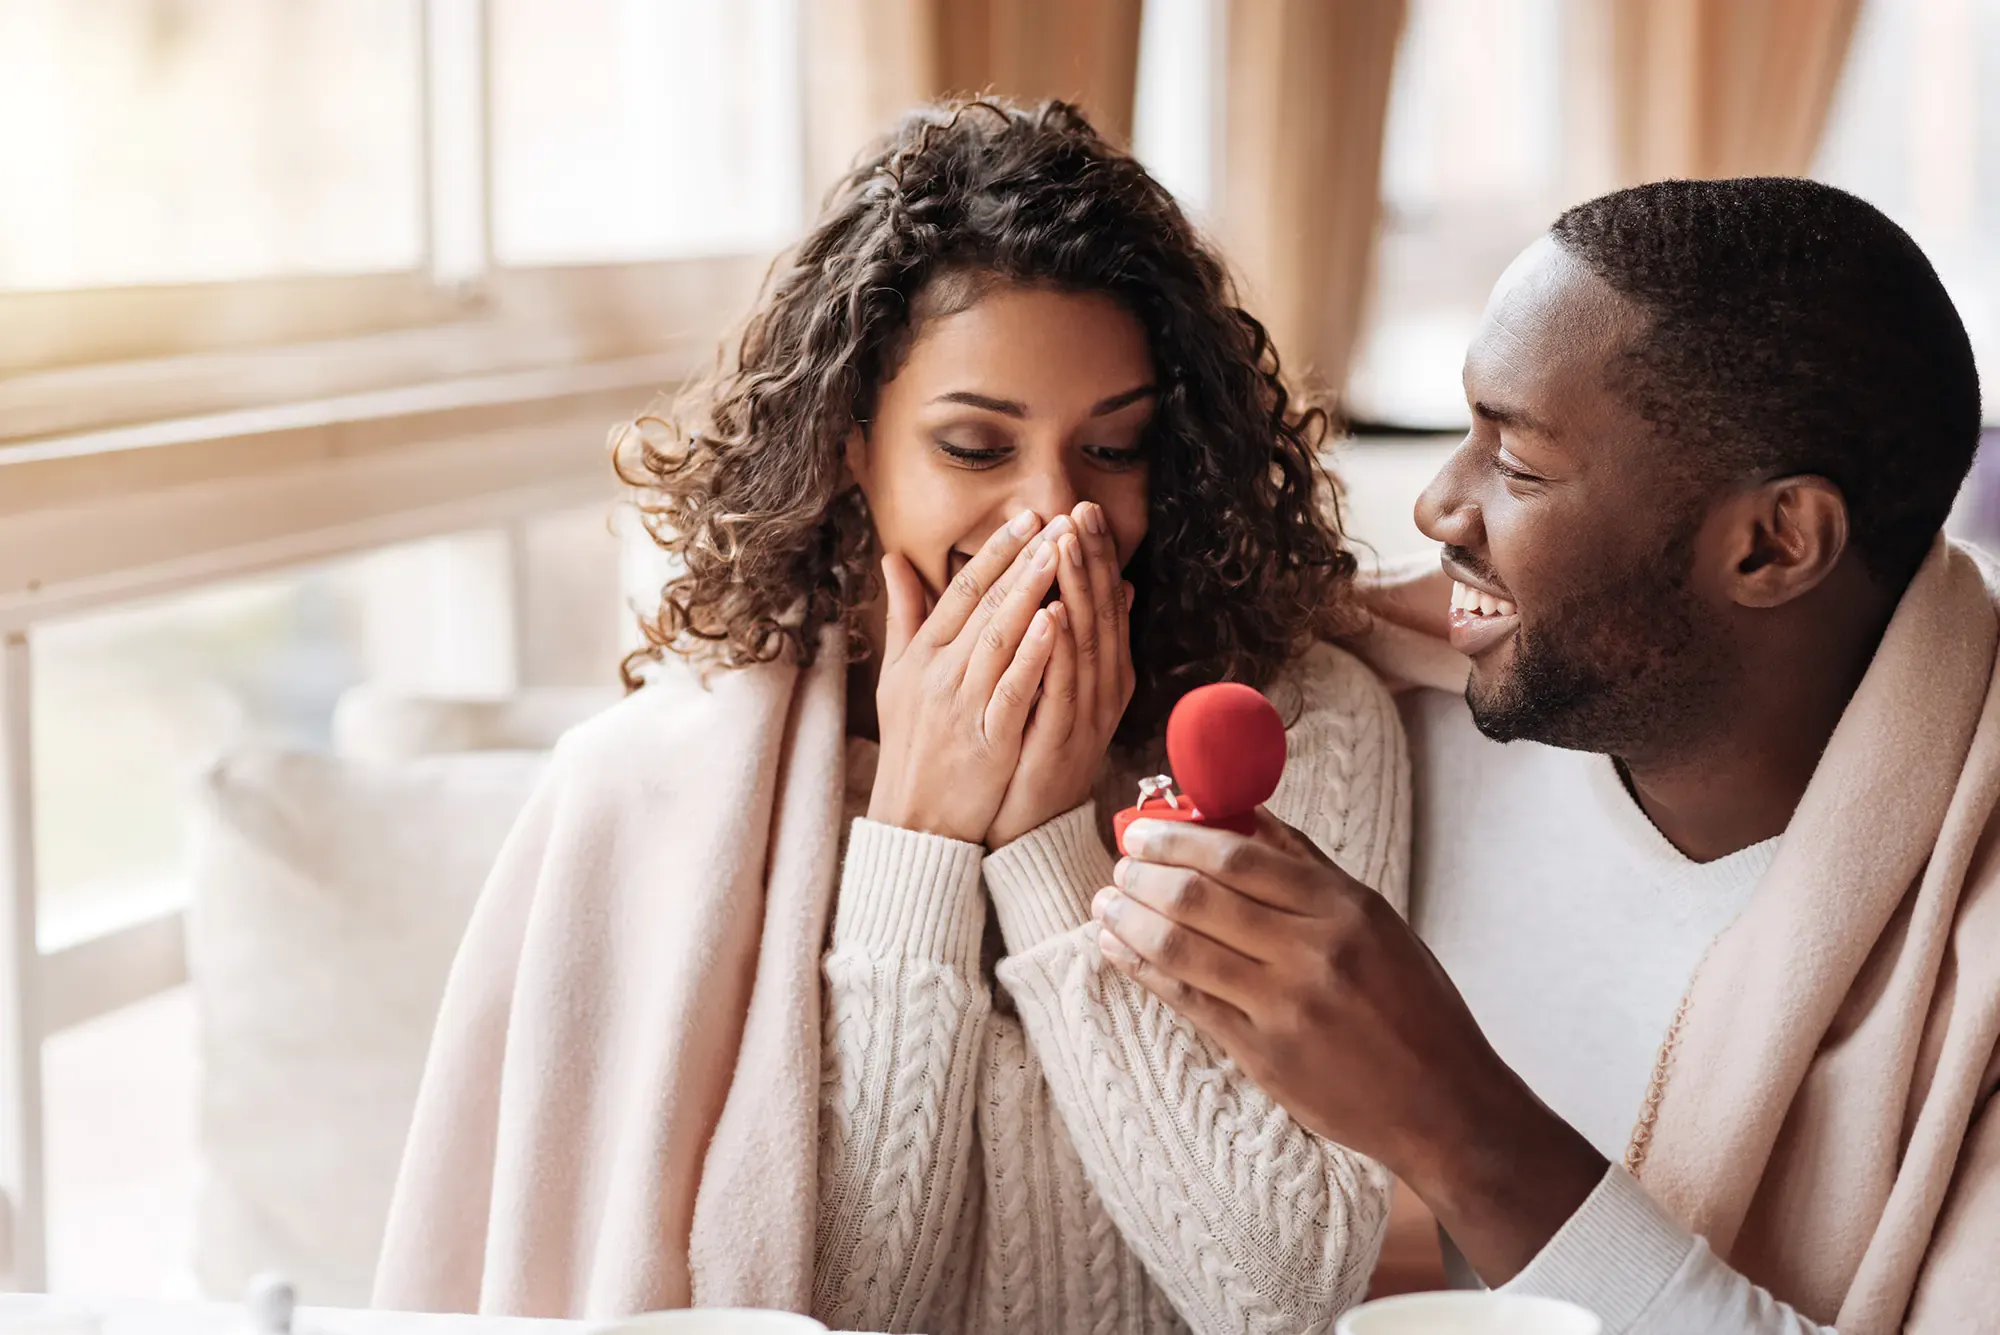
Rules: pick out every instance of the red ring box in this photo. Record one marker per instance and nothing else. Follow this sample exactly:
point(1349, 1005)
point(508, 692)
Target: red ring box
point(1226, 745)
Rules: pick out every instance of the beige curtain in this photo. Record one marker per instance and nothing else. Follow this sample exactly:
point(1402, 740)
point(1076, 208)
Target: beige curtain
point(1708, 88)
point(1306, 101)
point(867, 61)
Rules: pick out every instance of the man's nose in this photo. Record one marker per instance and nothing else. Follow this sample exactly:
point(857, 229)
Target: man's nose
point(1446, 512)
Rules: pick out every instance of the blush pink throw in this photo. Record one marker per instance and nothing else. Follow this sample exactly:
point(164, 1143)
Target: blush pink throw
point(1828, 1119)
point(619, 1111)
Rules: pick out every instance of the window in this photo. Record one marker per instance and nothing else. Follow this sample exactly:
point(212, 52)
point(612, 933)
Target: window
point(130, 706)
point(498, 183)
point(593, 108)
point(1473, 168)
point(313, 317)
point(1175, 114)
point(130, 703)
point(1915, 130)
point(180, 141)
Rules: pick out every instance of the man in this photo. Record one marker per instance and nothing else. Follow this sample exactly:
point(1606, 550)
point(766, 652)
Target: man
point(1697, 1024)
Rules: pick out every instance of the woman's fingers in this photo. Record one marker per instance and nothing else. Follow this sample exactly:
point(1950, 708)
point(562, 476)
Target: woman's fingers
point(962, 597)
point(906, 604)
point(1107, 600)
point(1056, 710)
point(1014, 694)
point(1079, 599)
point(1112, 596)
point(995, 630)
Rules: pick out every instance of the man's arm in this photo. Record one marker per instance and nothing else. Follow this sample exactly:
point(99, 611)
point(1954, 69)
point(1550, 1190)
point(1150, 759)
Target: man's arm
point(1332, 1004)
point(1315, 986)
point(1622, 1257)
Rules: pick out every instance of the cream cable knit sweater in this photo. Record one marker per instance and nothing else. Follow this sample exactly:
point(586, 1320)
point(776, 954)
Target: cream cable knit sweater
point(1086, 1162)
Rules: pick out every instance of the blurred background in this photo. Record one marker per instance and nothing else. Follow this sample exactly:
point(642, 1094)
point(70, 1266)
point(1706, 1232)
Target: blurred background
point(314, 315)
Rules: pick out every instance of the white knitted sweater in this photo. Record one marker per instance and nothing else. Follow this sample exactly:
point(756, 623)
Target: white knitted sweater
point(1082, 1160)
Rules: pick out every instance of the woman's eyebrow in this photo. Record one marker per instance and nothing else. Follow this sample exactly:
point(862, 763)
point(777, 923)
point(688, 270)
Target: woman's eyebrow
point(1005, 407)
point(1011, 408)
point(1117, 401)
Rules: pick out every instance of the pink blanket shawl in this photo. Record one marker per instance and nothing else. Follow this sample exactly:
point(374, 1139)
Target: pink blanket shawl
point(1828, 1118)
point(619, 1111)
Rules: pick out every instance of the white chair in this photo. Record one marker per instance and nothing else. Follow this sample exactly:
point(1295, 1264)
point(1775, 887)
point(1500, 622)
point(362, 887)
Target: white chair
point(330, 892)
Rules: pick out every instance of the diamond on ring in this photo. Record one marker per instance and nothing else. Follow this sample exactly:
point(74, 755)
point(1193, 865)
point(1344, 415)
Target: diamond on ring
point(1160, 785)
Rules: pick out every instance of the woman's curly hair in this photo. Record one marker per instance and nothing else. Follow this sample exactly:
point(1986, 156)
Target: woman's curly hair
point(743, 485)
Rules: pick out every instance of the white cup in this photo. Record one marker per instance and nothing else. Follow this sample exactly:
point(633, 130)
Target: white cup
point(715, 1321)
point(1468, 1314)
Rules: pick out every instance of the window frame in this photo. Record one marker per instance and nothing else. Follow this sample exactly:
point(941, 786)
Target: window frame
point(118, 355)
point(161, 438)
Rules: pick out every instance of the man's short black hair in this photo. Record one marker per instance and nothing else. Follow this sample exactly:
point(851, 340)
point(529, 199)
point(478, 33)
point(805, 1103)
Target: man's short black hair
point(1794, 329)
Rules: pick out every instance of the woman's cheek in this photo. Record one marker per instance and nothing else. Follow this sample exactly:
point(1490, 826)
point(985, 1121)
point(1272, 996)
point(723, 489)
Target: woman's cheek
point(1129, 522)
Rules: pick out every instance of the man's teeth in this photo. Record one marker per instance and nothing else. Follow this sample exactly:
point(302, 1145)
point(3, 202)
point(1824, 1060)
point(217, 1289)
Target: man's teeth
point(1465, 598)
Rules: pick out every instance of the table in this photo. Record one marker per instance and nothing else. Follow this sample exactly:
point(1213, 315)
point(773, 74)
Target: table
point(120, 1317)
point(124, 1317)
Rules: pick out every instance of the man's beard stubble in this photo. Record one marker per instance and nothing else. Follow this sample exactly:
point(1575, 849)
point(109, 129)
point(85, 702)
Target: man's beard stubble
point(1627, 667)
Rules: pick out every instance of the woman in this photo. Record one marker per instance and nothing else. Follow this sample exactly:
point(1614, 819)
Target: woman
point(1003, 373)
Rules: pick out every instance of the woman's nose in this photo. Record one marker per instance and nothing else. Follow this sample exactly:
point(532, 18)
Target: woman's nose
point(1048, 493)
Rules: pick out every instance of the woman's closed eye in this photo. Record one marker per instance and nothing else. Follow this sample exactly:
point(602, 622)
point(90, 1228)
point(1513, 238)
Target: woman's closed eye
point(967, 454)
point(1118, 458)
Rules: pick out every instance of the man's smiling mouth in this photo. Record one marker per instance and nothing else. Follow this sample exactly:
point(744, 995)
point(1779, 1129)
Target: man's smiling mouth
point(1479, 619)
point(1478, 602)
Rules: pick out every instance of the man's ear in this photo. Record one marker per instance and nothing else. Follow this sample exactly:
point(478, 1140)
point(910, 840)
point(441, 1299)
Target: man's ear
point(1784, 536)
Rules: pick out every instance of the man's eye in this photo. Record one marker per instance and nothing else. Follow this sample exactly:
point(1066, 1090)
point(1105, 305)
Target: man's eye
point(1511, 473)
